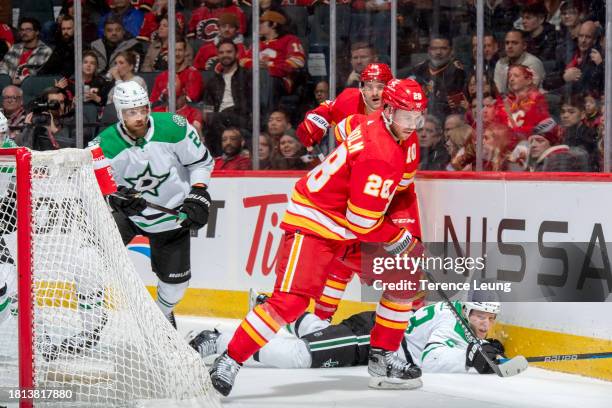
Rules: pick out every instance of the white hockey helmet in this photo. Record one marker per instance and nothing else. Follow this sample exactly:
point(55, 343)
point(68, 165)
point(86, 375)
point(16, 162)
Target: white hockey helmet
point(3, 123)
point(128, 95)
point(489, 307)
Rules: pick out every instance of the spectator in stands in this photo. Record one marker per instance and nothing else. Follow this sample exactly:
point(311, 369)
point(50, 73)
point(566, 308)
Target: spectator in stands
point(593, 116)
point(61, 61)
point(232, 144)
point(491, 54)
point(567, 37)
point(228, 94)
point(153, 19)
point(451, 122)
point(204, 21)
point(26, 57)
point(496, 147)
point(541, 34)
point(575, 132)
point(89, 30)
point(123, 70)
point(278, 125)
point(266, 151)
point(156, 58)
point(458, 139)
point(6, 39)
point(281, 60)
point(321, 92)
point(362, 54)
point(523, 107)
point(122, 11)
point(585, 72)
point(516, 54)
point(12, 106)
point(488, 110)
point(293, 155)
point(442, 77)
point(544, 143)
point(434, 155)
point(206, 58)
point(192, 114)
point(190, 77)
point(114, 41)
point(95, 86)
point(49, 130)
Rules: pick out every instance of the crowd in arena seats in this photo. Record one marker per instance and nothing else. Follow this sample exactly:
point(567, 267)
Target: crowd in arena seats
point(543, 74)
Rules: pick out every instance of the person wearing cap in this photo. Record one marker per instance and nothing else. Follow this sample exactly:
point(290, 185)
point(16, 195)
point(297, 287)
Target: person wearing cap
point(544, 143)
point(206, 58)
point(281, 57)
point(204, 21)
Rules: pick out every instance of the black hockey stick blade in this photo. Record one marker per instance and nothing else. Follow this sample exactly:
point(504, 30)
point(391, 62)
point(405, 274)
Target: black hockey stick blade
point(556, 358)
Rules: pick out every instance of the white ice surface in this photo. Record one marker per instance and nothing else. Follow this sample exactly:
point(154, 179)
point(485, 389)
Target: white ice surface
point(348, 387)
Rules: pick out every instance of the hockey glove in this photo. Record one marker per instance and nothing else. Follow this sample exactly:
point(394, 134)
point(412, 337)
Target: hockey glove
point(195, 208)
point(312, 129)
point(127, 201)
point(406, 245)
point(475, 359)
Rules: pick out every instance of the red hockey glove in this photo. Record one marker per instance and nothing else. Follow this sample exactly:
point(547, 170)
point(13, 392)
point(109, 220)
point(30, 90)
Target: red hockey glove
point(312, 129)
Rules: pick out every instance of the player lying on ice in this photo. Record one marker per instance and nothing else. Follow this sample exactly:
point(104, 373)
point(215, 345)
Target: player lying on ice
point(433, 341)
point(346, 200)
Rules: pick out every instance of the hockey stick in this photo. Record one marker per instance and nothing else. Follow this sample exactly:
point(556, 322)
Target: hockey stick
point(193, 232)
point(510, 367)
point(565, 357)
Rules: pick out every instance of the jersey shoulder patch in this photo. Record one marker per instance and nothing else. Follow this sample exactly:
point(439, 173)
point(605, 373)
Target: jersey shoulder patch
point(168, 127)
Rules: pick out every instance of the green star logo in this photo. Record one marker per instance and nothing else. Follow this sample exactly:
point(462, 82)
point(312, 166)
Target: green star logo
point(147, 182)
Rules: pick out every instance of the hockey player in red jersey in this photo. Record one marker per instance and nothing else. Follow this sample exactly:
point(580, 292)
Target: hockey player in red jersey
point(363, 100)
point(342, 201)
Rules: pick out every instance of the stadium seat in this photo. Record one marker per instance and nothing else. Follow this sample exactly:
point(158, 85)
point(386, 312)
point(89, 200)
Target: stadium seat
point(109, 115)
point(149, 78)
point(34, 85)
point(42, 10)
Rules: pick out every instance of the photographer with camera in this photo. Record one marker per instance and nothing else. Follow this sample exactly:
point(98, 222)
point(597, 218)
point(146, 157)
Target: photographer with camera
point(47, 122)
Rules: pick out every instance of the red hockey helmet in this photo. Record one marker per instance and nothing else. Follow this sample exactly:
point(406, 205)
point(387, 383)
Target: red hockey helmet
point(404, 94)
point(376, 71)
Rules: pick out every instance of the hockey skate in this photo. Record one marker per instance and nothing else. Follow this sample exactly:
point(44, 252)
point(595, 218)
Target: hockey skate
point(256, 298)
point(205, 342)
point(223, 373)
point(388, 371)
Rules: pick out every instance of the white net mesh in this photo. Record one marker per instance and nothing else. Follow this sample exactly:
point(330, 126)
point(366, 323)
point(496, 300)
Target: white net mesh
point(97, 330)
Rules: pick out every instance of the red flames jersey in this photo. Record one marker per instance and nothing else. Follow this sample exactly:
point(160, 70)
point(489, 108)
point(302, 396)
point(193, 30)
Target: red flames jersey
point(149, 27)
point(347, 196)
point(204, 21)
point(521, 114)
point(349, 102)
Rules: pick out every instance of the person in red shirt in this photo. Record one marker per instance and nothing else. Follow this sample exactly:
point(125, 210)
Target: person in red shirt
point(204, 21)
point(206, 58)
point(232, 144)
point(523, 107)
point(345, 200)
point(153, 17)
point(6, 39)
point(193, 115)
point(281, 57)
point(363, 100)
point(189, 76)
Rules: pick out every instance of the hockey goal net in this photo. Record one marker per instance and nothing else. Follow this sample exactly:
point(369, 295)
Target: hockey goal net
point(74, 314)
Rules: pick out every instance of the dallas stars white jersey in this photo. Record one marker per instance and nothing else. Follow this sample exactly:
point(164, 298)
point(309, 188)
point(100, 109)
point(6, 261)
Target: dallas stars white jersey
point(435, 339)
point(163, 165)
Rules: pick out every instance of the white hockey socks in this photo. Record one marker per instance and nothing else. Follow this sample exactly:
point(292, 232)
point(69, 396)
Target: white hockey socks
point(169, 294)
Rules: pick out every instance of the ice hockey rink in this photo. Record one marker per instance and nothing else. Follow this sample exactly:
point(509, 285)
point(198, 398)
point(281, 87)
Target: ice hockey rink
point(348, 387)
